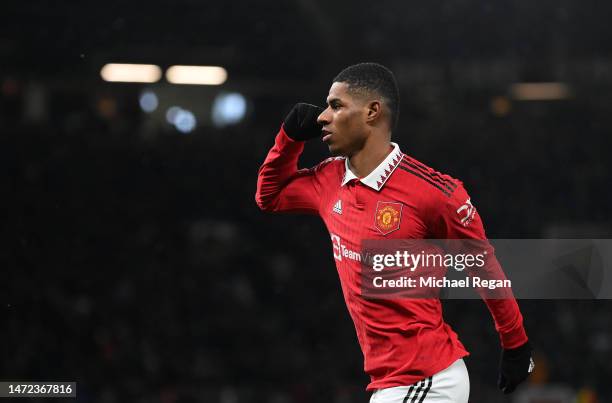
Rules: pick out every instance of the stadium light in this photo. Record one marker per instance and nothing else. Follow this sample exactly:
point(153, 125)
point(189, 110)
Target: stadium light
point(148, 101)
point(182, 119)
point(197, 75)
point(131, 73)
point(185, 121)
point(540, 91)
point(228, 109)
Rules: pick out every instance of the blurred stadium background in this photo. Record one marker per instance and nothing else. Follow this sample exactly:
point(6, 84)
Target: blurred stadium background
point(135, 261)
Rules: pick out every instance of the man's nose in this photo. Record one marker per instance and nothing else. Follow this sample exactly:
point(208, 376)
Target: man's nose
point(323, 118)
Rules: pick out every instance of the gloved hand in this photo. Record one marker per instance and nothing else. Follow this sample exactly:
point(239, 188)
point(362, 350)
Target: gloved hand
point(515, 366)
point(301, 122)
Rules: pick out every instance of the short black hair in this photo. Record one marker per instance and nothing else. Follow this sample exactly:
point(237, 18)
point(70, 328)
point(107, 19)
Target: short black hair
point(373, 77)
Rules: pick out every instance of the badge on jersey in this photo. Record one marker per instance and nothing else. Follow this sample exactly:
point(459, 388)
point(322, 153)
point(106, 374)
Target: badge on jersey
point(388, 216)
point(466, 212)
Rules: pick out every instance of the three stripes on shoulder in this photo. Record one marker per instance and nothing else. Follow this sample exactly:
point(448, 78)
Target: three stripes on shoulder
point(441, 182)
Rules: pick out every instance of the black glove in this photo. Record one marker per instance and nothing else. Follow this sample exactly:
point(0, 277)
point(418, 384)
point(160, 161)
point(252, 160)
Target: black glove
point(515, 366)
point(301, 123)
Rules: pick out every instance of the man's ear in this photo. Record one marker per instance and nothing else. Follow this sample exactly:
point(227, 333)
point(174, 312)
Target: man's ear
point(374, 111)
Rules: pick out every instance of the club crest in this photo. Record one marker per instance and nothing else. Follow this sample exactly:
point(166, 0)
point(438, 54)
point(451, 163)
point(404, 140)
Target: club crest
point(388, 216)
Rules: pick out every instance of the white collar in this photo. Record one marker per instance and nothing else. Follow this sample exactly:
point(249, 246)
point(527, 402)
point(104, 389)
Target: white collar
point(377, 178)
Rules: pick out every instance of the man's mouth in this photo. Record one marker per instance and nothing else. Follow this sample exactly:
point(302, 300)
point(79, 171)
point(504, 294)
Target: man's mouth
point(326, 135)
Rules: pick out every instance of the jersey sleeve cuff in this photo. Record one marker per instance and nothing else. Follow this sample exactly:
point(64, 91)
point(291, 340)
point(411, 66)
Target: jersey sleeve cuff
point(514, 339)
point(283, 141)
point(286, 137)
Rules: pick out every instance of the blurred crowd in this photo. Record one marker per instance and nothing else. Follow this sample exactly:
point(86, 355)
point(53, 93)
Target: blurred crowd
point(138, 265)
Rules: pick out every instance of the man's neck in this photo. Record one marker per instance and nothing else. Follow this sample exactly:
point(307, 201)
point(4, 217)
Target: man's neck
point(367, 159)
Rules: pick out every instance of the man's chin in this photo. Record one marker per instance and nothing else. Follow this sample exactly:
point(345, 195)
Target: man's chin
point(335, 151)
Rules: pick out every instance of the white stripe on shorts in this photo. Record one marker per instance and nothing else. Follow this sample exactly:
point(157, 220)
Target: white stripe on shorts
point(451, 385)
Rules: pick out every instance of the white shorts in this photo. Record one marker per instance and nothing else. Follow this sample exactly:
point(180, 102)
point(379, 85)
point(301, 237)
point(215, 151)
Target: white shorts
point(451, 385)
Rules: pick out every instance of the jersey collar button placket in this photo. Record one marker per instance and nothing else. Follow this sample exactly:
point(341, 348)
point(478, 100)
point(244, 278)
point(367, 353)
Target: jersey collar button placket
point(359, 189)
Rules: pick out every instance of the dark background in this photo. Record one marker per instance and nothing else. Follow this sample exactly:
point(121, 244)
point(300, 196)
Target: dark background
point(135, 260)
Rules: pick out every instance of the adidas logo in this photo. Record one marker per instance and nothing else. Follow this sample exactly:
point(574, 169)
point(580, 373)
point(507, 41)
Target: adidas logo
point(338, 207)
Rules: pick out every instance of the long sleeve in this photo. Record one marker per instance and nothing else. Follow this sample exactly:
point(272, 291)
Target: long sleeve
point(281, 187)
point(460, 220)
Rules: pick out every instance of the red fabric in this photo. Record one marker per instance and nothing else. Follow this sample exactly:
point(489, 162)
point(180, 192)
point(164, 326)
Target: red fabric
point(403, 340)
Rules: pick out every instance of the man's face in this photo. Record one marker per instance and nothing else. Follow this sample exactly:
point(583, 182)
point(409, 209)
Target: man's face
point(344, 125)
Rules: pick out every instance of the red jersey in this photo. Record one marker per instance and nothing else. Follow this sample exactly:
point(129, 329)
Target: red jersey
point(403, 340)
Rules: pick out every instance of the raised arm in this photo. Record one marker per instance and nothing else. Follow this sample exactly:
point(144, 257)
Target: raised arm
point(280, 185)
